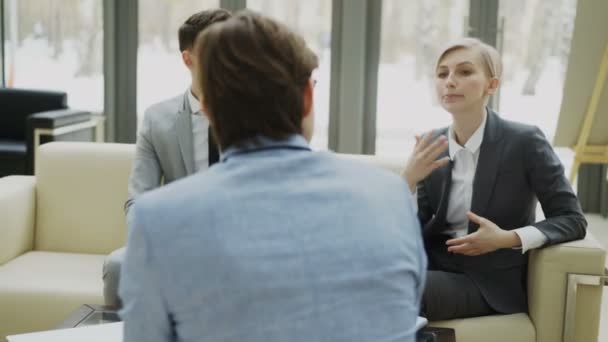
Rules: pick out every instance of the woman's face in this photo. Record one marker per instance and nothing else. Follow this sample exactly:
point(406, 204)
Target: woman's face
point(461, 83)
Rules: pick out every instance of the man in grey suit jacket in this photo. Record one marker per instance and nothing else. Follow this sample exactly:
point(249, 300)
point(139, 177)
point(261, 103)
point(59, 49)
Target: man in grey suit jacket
point(276, 242)
point(173, 140)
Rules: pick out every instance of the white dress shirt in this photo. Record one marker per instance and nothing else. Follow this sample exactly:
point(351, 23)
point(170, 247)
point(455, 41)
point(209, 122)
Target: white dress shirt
point(465, 160)
point(461, 191)
point(463, 172)
point(200, 134)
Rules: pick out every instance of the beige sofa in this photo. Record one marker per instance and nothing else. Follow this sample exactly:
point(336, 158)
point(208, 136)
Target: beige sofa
point(56, 227)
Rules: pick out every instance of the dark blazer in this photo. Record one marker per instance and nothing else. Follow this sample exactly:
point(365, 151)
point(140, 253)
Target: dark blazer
point(516, 168)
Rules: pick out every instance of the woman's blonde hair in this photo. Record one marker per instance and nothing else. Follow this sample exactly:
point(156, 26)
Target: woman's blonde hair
point(489, 56)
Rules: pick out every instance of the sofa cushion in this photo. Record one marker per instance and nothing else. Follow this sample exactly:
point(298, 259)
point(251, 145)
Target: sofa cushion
point(80, 194)
point(495, 328)
point(38, 290)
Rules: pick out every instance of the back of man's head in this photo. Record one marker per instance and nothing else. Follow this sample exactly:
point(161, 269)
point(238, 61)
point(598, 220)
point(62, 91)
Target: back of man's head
point(196, 23)
point(254, 72)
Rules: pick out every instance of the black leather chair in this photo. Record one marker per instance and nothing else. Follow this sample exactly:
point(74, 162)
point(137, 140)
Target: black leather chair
point(26, 113)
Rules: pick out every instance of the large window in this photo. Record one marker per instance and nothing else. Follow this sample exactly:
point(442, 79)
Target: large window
point(161, 74)
point(535, 44)
point(56, 45)
point(311, 19)
point(412, 34)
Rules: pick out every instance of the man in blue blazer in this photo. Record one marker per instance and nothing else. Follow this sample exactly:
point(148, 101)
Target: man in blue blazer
point(276, 242)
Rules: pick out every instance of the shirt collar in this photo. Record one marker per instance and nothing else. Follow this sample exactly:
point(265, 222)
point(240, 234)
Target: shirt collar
point(472, 145)
point(295, 142)
point(195, 105)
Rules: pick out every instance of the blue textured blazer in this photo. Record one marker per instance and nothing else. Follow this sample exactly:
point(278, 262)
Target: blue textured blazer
point(275, 243)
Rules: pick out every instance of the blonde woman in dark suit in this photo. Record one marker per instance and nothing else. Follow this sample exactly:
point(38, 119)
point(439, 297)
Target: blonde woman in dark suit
point(477, 183)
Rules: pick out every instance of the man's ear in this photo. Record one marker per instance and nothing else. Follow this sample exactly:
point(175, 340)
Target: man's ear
point(493, 86)
point(308, 92)
point(205, 110)
point(187, 58)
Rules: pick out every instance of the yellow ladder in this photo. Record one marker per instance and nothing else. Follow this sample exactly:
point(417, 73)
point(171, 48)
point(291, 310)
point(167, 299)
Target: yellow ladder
point(594, 154)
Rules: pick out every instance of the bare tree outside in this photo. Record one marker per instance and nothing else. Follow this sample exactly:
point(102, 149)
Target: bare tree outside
point(535, 46)
point(412, 34)
point(90, 44)
point(63, 40)
point(537, 36)
point(57, 45)
point(392, 31)
point(532, 36)
point(312, 20)
point(161, 72)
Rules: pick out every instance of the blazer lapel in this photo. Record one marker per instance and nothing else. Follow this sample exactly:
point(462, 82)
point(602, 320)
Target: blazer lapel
point(184, 135)
point(490, 154)
point(446, 186)
point(441, 183)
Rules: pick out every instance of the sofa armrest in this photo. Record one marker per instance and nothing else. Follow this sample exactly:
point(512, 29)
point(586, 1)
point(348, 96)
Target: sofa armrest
point(548, 272)
point(58, 118)
point(18, 203)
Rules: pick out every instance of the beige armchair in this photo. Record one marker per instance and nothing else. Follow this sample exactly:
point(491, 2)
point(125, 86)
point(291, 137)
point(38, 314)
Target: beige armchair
point(56, 228)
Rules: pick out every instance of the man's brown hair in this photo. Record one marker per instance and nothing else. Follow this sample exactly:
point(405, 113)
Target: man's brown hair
point(196, 23)
point(253, 74)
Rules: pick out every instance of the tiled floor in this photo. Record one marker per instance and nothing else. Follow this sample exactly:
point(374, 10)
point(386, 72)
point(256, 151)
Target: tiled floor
point(598, 226)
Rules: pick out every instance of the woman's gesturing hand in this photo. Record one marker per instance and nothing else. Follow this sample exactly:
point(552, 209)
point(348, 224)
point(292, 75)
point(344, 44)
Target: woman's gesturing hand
point(488, 238)
point(424, 160)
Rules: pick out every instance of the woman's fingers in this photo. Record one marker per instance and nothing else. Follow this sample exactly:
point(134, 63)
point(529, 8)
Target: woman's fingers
point(438, 148)
point(432, 151)
point(440, 163)
point(426, 139)
point(423, 160)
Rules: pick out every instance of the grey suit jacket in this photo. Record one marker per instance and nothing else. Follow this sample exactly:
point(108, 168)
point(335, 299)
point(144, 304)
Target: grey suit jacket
point(276, 243)
point(164, 150)
point(516, 168)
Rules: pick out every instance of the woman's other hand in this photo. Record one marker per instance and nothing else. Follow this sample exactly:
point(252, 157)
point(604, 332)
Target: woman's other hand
point(488, 238)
